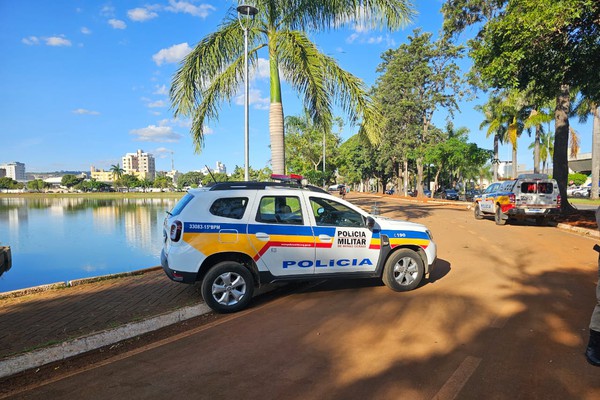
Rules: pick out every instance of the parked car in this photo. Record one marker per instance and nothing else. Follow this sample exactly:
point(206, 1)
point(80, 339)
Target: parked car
point(470, 194)
point(529, 196)
point(235, 236)
point(446, 194)
point(572, 189)
point(582, 191)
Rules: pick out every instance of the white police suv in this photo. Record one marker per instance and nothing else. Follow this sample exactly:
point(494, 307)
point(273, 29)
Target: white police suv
point(234, 236)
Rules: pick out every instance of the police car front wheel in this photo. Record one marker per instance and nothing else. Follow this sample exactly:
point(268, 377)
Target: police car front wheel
point(227, 287)
point(403, 270)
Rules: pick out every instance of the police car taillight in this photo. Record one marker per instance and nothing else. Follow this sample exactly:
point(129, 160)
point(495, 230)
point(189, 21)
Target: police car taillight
point(176, 228)
point(511, 198)
point(558, 199)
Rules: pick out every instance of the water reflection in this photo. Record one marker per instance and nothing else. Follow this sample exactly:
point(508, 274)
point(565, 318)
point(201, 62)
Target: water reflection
point(59, 239)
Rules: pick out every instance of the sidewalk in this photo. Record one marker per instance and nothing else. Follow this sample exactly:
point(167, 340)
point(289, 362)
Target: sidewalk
point(47, 326)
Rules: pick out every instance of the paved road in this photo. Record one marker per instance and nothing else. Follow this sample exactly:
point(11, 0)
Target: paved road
point(503, 316)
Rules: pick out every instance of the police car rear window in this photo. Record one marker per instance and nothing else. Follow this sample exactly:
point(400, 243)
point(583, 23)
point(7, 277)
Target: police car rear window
point(229, 207)
point(181, 204)
point(537, 187)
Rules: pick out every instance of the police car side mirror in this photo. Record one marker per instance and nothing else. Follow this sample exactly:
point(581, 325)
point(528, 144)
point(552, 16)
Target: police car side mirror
point(370, 222)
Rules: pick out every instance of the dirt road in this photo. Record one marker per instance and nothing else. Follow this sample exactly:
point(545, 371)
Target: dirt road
point(504, 316)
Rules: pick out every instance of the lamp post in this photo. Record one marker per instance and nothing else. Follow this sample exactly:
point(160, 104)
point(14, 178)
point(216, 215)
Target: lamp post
point(248, 12)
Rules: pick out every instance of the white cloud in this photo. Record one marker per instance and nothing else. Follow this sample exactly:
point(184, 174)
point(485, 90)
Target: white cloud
point(207, 131)
point(173, 54)
point(85, 30)
point(157, 104)
point(352, 38)
point(31, 40)
point(375, 40)
point(263, 69)
point(153, 133)
point(117, 23)
point(162, 90)
point(141, 14)
point(202, 11)
point(83, 111)
point(57, 41)
point(107, 11)
point(255, 99)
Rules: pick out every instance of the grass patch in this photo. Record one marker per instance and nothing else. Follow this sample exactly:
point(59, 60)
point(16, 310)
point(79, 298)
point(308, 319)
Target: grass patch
point(580, 200)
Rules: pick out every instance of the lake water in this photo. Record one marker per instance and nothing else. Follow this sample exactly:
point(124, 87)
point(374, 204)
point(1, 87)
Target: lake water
point(60, 239)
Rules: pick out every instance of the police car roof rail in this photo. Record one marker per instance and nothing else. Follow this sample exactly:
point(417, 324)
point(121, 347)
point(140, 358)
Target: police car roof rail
point(232, 185)
point(532, 176)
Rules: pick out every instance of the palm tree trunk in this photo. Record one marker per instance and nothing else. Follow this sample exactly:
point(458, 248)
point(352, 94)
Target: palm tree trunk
point(496, 157)
point(560, 169)
point(276, 134)
point(536, 150)
point(515, 167)
point(276, 129)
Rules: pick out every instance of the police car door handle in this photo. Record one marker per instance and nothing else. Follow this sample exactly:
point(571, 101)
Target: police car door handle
point(325, 238)
point(262, 236)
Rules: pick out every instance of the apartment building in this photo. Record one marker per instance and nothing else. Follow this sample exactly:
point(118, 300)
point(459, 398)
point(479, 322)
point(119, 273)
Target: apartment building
point(101, 175)
point(14, 170)
point(139, 164)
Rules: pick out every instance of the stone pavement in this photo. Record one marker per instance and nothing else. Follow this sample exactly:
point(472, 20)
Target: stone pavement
point(40, 320)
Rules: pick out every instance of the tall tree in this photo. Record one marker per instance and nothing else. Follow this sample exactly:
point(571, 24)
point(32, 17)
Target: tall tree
point(306, 143)
point(418, 78)
point(213, 71)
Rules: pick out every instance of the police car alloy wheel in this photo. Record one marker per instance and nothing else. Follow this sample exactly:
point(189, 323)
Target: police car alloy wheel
point(403, 270)
point(227, 287)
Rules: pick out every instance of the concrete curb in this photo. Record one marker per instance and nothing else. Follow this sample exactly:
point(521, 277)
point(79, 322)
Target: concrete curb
point(581, 231)
point(71, 283)
point(37, 358)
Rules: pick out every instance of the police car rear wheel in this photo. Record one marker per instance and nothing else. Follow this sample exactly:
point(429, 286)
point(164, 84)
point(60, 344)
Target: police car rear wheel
point(403, 270)
point(227, 287)
point(498, 217)
point(477, 212)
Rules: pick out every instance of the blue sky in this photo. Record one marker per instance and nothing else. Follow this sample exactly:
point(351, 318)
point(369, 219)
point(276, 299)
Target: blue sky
point(84, 82)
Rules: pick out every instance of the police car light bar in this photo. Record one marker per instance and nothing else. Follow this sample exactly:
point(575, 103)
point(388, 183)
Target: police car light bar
point(287, 178)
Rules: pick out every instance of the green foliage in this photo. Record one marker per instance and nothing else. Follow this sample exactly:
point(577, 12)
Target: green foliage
point(577, 179)
point(304, 148)
point(216, 176)
point(69, 180)
point(7, 183)
point(37, 185)
point(191, 179)
point(129, 181)
point(163, 182)
point(259, 175)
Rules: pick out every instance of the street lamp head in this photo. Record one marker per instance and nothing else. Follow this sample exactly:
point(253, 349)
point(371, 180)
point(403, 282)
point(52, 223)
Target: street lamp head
point(247, 10)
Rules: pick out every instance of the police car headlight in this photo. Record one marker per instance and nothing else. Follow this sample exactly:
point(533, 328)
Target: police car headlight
point(429, 234)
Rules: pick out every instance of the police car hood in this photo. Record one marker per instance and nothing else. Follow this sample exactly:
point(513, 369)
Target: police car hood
point(388, 223)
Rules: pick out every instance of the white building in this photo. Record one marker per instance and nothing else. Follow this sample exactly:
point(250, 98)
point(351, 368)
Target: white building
point(139, 164)
point(14, 170)
point(221, 169)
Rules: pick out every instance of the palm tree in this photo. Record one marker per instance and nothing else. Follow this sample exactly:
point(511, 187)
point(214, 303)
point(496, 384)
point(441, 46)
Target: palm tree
point(536, 118)
point(117, 173)
point(546, 147)
point(495, 121)
point(213, 71)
